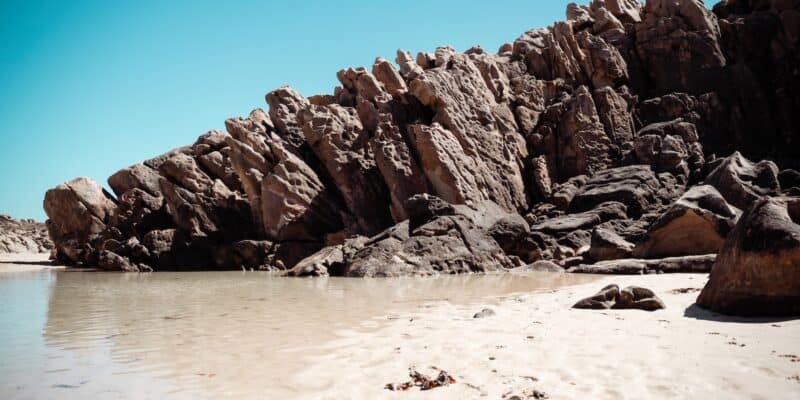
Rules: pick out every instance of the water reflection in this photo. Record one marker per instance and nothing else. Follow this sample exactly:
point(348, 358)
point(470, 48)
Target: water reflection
point(203, 333)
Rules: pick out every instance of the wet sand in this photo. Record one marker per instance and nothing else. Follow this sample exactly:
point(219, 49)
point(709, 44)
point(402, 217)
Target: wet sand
point(256, 335)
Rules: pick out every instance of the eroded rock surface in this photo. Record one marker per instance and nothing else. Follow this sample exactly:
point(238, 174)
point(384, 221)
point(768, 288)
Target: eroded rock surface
point(571, 145)
point(23, 236)
point(758, 269)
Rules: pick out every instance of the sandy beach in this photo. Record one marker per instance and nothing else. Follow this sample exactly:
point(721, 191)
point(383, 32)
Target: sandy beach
point(536, 342)
point(20, 262)
point(534, 345)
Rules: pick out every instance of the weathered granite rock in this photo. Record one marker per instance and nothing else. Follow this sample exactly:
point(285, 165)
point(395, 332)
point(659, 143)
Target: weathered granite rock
point(137, 176)
point(23, 236)
point(607, 245)
point(632, 297)
point(678, 44)
point(742, 182)
point(77, 210)
point(789, 179)
point(632, 266)
point(339, 140)
point(598, 123)
point(475, 127)
point(446, 245)
point(757, 272)
point(539, 266)
point(604, 299)
point(423, 208)
point(670, 146)
point(635, 186)
point(696, 224)
point(111, 261)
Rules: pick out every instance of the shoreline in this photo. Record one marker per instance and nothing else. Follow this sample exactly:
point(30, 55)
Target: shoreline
point(27, 262)
point(536, 343)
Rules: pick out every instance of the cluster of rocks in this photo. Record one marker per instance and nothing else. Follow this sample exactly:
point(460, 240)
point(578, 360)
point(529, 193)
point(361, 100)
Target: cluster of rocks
point(23, 236)
point(632, 297)
point(591, 144)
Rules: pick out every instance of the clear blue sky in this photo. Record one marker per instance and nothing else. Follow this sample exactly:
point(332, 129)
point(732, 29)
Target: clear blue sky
point(89, 87)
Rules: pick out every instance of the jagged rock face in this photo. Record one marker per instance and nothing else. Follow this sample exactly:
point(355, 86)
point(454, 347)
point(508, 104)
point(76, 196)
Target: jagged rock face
point(23, 236)
point(758, 269)
point(695, 224)
point(78, 210)
point(338, 138)
point(287, 198)
point(592, 129)
point(476, 127)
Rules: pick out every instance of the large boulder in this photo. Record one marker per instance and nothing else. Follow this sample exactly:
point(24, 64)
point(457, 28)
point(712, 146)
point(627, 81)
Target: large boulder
point(695, 224)
point(77, 211)
point(757, 272)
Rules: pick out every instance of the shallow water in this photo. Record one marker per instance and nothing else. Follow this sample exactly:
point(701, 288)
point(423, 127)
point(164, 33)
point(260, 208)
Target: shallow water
point(67, 334)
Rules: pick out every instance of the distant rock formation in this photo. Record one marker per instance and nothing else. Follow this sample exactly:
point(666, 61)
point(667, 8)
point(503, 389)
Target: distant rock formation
point(594, 144)
point(23, 236)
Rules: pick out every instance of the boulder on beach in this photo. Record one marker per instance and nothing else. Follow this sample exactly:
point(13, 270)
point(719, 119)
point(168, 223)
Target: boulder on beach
point(632, 297)
point(757, 272)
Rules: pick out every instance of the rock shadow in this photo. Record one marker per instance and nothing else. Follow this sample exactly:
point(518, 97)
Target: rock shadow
point(696, 312)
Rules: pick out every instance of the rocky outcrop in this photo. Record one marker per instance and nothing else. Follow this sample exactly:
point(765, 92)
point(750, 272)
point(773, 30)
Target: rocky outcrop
point(757, 272)
point(571, 145)
point(23, 236)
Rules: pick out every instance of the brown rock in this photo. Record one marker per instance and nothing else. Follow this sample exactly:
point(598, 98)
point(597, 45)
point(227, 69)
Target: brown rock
point(137, 176)
point(632, 297)
point(479, 129)
point(447, 244)
point(23, 236)
point(678, 44)
point(632, 266)
point(339, 140)
point(742, 182)
point(756, 273)
point(607, 245)
point(77, 210)
point(696, 224)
